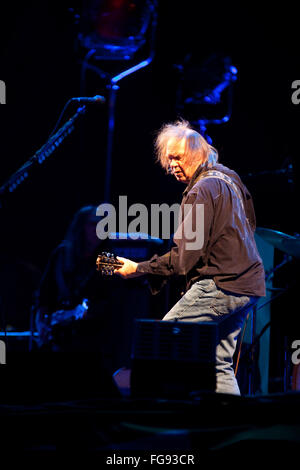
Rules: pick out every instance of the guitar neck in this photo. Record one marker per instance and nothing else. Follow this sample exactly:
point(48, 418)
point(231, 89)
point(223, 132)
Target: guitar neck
point(107, 262)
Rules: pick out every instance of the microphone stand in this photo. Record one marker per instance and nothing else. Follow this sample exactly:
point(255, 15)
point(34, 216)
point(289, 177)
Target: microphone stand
point(37, 159)
point(40, 156)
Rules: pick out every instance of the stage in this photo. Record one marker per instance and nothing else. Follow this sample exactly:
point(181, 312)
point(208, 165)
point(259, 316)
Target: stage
point(217, 425)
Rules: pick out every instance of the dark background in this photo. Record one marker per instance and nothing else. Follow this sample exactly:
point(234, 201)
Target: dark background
point(40, 64)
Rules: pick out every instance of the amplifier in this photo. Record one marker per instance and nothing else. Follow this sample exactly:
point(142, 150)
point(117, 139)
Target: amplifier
point(173, 359)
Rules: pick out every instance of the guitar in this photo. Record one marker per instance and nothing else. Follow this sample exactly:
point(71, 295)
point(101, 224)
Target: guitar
point(46, 324)
point(63, 317)
point(107, 262)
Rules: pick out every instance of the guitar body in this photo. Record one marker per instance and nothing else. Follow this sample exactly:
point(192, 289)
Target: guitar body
point(64, 317)
point(49, 324)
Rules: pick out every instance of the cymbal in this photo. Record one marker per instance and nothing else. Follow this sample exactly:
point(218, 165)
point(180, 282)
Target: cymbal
point(286, 243)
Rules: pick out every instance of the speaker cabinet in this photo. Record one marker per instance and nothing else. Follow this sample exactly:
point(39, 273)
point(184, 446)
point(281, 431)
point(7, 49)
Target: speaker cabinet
point(173, 359)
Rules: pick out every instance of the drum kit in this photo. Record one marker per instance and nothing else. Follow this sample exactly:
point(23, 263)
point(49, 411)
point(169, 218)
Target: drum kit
point(290, 246)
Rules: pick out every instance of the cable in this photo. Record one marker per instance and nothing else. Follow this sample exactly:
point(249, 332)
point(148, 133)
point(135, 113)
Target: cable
point(240, 346)
point(60, 117)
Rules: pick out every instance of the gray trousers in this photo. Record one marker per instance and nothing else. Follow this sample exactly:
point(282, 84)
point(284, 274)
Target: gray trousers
point(204, 301)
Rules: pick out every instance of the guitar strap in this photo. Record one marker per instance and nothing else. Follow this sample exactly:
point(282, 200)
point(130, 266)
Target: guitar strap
point(227, 179)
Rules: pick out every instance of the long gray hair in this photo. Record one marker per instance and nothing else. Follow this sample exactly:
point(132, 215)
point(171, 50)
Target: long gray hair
point(197, 148)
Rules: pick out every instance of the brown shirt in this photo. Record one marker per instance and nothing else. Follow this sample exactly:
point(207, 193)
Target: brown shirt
point(228, 253)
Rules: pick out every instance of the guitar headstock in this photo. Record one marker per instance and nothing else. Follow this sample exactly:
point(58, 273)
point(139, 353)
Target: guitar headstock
point(107, 262)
